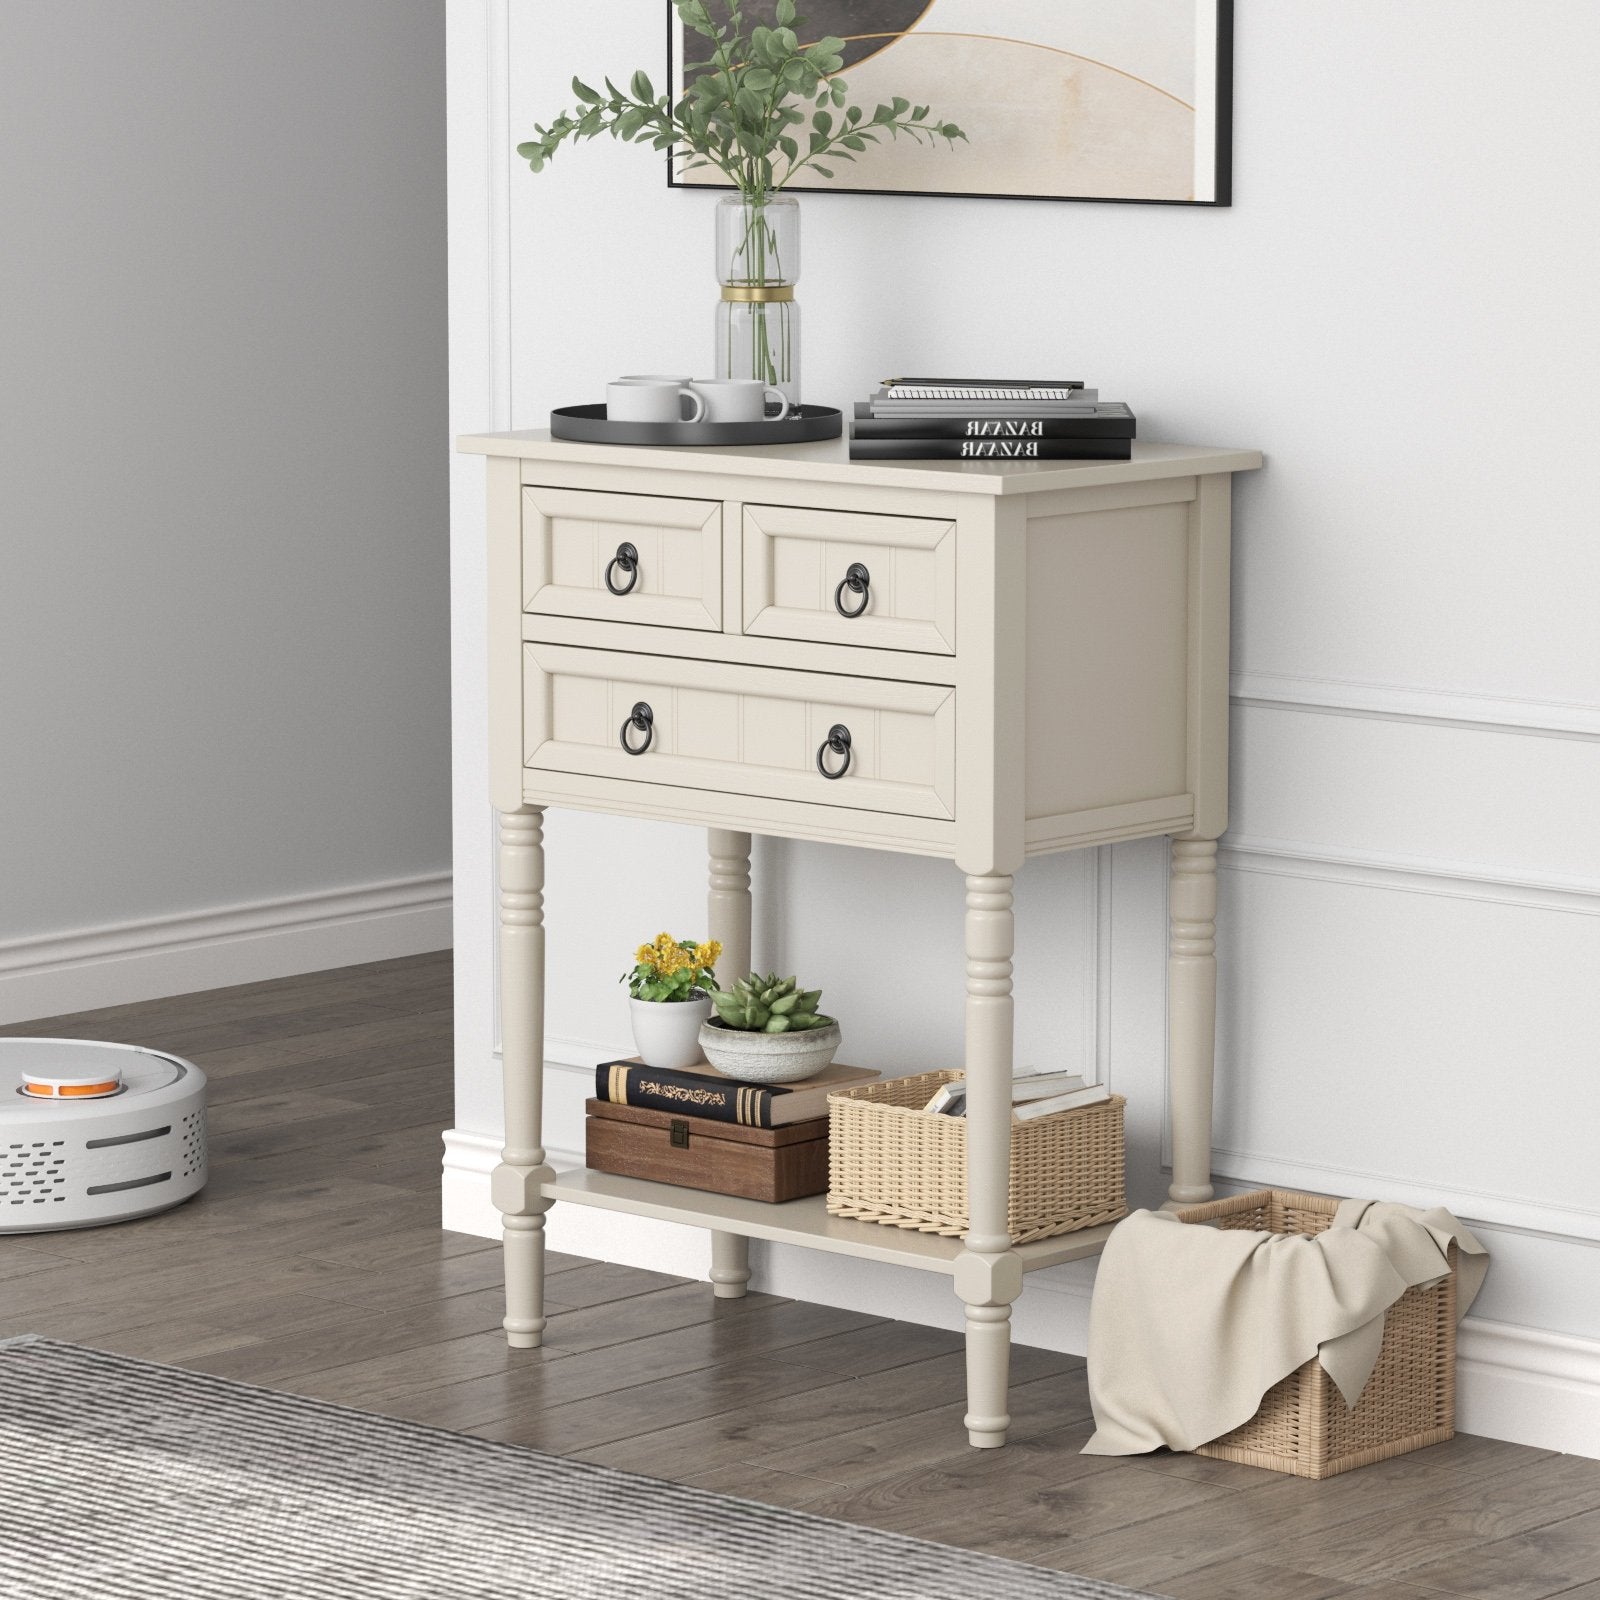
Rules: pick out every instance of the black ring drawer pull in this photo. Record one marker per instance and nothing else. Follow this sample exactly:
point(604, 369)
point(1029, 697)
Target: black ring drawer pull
point(628, 559)
point(858, 581)
point(643, 719)
point(838, 741)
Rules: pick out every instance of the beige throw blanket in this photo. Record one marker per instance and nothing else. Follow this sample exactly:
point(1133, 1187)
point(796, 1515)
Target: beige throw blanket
point(1190, 1326)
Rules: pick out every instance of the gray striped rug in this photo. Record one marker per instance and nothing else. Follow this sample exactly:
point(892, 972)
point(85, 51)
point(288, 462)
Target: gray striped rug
point(123, 1480)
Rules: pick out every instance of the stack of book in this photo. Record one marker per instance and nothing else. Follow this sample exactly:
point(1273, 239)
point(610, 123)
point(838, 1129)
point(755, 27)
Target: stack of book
point(698, 1129)
point(975, 419)
point(1033, 1094)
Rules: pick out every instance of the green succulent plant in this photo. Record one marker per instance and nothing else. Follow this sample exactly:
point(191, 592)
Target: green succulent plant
point(768, 1005)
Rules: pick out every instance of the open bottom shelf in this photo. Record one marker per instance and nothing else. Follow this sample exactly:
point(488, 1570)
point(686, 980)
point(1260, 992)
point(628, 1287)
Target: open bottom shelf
point(802, 1222)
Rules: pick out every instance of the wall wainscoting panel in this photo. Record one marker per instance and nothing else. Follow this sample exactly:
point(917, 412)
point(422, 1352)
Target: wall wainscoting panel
point(1405, 703)
point(1439, 1045)
point(53, 974)
point(1519, 808)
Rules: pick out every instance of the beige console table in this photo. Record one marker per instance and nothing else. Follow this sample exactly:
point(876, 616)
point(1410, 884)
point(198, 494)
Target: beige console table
point(981, 661)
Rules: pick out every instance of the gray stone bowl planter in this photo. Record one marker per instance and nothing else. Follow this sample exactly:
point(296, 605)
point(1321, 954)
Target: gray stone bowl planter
point(768, 1057)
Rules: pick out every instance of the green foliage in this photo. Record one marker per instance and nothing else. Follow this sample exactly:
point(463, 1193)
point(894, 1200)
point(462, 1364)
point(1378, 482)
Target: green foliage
point(768, 1005)
point(761, 108)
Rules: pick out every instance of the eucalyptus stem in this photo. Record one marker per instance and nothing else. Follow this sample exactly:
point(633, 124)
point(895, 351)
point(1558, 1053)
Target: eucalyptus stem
point(742, 107)
point(744, 113)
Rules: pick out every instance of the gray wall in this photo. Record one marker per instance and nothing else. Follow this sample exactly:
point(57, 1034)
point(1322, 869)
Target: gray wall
point(223, 454)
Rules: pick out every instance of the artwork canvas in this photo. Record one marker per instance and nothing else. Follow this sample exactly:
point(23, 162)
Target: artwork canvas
point(1061, 99)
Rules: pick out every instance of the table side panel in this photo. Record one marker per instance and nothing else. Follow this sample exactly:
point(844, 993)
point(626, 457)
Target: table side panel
point(1108, 673)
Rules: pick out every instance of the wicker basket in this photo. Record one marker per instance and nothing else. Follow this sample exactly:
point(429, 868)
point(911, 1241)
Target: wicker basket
point(890, 1161)
point(1304, 1426)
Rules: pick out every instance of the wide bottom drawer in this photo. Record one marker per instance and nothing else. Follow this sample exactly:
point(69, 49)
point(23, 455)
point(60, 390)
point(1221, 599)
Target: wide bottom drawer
point(860, 743)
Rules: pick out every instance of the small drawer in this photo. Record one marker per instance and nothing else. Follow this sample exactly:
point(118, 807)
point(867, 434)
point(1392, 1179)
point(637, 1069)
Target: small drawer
point(850, 577)
point(622, 557)
point(740, 729)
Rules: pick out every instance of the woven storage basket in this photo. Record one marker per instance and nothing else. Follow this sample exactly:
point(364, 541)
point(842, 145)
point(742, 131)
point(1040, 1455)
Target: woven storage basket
point(890, 1161)
point(1304, 1426)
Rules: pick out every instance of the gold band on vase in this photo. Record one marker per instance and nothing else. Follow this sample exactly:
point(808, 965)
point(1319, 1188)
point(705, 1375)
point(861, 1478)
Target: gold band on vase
point(757, 293)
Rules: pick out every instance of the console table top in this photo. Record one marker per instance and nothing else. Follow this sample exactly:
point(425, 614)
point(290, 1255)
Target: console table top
point(829, 462)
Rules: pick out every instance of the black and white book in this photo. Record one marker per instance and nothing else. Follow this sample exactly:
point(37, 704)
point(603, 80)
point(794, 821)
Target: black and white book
point(1110, 419)
point(923, 449)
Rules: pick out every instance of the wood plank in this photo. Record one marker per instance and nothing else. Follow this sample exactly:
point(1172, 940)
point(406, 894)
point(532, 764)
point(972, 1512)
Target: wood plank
point(762, 1428)
point(1023, 1501)
point(1391, 1543)
point(717, 1358)
point(1262, 1522)
point(1246, 1578)
point(1547, 1561)
point(861, 1455)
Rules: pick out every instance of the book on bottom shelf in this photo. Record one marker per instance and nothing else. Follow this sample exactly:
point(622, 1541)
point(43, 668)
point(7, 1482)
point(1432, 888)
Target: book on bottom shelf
point(702, 1091)
point(767, 1164)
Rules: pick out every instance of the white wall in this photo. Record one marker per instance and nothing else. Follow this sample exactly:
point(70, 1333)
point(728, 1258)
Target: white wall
point(1399, 311)
point(223, 568)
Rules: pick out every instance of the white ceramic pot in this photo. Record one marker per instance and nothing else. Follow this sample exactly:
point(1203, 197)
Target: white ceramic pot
point(666, 1033)
point(769, 1057)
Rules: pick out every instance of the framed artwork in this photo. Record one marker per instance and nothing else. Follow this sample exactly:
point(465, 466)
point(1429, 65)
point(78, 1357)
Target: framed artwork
point(1127, 100)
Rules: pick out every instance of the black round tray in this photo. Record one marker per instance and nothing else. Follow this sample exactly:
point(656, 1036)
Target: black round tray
point(589, 424)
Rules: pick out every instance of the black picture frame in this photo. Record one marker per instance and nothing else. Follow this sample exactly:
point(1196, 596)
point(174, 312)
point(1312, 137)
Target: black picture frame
point(1223, 142)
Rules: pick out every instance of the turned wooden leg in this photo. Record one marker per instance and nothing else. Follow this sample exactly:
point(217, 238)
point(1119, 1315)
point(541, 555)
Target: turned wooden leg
point(1192, 1015)
point(728, 919)
point(988, 1273)
point(515, 1183)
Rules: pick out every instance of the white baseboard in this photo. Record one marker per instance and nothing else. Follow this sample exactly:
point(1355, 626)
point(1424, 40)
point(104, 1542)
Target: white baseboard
point(1526, 1385)
point(642, 1242)
point(1529, 1385)
point(52, 974)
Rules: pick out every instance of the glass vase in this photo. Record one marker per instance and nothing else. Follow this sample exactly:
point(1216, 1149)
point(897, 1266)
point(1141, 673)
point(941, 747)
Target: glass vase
point(758, 263)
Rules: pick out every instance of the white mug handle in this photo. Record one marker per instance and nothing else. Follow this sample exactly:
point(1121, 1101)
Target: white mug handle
point(783, 404)
point(694, 397)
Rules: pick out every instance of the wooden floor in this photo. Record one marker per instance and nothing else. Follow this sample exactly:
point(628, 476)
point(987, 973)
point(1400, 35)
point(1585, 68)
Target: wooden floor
point(314, 1263)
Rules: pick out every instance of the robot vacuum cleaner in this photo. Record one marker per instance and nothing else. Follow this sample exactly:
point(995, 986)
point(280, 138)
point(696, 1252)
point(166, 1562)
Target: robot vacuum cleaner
point(93, 1133)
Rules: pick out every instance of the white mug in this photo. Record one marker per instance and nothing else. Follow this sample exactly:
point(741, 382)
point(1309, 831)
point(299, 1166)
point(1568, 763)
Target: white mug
point(653, 399)
point(740, 400)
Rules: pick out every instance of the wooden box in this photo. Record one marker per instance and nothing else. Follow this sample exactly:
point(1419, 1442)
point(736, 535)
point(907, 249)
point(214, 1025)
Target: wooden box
point(772, 1164)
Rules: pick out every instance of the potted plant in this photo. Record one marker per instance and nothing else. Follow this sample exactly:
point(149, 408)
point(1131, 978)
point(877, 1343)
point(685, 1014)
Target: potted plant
point(669, 1001)
point(762, 108)
point(768, 1030)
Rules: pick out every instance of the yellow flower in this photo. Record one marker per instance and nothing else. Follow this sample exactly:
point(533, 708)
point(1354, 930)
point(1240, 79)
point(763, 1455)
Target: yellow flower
point(709, 954)
point(645, 953)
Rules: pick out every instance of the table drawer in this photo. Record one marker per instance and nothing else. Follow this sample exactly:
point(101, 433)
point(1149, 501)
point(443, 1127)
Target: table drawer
point(740, 729)
point(573, 540)
point(797, 569)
